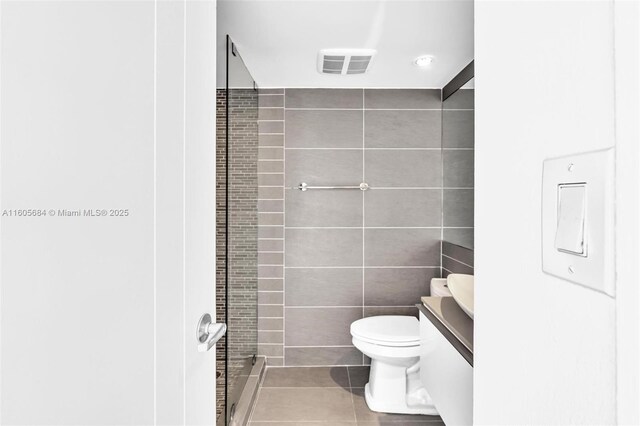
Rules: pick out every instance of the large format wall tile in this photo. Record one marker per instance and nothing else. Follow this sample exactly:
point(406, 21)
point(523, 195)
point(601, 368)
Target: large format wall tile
point(462, 99)
point(460, 253)
point(458, 207)
point(323, 247)
point(319, 326)
point(370, 311)
point(397, 286)
point(324, 98)
point(402, 247)
point(270, 101)
point(324, 287)
point(402, 129)
point(323, 208)
point(403, 168)
point(323, 167)
point(323, 129)
point(457, 129)
point(460, 236)
point(458, 168)
point(332, 137)
point(403, 207)
point(402, 99)
point(323, 356)
point(450, 265)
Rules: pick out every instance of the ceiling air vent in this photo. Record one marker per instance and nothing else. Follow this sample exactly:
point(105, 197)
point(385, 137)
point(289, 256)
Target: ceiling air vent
point(345, 61)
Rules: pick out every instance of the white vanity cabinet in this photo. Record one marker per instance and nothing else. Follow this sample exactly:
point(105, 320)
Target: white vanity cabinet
point(444, 371)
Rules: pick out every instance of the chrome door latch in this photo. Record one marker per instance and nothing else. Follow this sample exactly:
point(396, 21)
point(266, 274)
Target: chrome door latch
point(209, 333)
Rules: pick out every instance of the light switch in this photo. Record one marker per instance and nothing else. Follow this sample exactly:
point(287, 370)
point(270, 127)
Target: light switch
point(578, 219)
point(570, 233)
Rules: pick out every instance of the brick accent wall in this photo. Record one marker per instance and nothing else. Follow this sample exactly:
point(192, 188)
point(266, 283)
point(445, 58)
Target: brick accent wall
point(242, 288)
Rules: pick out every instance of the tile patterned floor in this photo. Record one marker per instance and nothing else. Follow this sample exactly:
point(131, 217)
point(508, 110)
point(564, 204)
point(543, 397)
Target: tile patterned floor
point(310, 396)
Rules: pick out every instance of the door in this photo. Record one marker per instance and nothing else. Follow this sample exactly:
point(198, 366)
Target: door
point(107, 204)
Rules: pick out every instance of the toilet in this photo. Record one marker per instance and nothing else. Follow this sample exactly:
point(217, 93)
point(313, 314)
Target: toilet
point(393, 344)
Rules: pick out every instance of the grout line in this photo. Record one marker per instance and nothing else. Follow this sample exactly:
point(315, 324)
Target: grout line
point(456, 260)
point(155, 212)
point(363, 109)
point(284, 196)
point(363, 210)
point(457, 149)
point(375, 188)
point(361, 227)
point(442, 184)
point(184, 211)
point(318, 346)
point(373, 149)
point(355, 267)
point(350, 307)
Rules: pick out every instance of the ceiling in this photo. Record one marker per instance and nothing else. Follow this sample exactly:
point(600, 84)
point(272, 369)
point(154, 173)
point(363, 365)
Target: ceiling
point(279, 40)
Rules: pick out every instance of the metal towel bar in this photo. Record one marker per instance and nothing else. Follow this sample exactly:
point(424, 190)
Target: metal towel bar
point(362, 187)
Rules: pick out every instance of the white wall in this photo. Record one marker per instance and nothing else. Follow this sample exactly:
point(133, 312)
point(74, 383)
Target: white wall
point(627, 69)
point(98, 314)
point(545, 349)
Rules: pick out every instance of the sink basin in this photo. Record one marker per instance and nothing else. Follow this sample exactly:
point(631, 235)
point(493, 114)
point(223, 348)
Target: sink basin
point(461, 287)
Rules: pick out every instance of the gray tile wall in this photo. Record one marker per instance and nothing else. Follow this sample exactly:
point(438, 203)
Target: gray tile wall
point(328, 258)
point(458, 167)
point(456, 259)
point(271, 225)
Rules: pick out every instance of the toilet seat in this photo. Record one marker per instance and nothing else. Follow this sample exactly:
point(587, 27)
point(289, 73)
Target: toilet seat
point(388, 330)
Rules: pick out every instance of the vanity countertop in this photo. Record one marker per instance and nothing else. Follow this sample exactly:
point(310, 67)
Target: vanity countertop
point(452, 322)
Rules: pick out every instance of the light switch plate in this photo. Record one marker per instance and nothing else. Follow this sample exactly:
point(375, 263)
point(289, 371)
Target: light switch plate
point(595, 268)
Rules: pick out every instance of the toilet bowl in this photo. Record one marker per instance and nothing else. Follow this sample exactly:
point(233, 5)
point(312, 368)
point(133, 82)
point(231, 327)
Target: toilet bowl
point(393, 344)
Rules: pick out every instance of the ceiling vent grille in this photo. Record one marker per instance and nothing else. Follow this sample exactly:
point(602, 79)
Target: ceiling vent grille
point(345, 61)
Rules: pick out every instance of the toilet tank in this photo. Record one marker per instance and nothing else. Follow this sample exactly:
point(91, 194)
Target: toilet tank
point(439, 288)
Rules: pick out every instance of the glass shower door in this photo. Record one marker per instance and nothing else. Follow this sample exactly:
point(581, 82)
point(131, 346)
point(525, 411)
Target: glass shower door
point(237, 199)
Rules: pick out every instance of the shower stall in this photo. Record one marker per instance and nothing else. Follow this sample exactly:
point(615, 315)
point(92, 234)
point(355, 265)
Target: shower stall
point(237, 231)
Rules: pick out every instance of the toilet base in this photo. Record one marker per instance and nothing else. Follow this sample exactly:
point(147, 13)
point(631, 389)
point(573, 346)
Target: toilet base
point(397, 388)
point(395, 408)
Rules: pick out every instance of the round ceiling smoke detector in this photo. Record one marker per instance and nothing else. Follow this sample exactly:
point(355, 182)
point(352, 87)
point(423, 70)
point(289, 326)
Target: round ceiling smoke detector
point(423, 61)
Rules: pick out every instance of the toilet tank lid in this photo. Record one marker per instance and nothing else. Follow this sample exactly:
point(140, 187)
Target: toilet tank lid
point(387, 328)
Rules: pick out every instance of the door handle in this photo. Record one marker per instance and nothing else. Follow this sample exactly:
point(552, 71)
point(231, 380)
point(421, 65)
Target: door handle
point(209, 333)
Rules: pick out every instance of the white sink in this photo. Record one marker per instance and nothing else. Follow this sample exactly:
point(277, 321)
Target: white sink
point(461, 287)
